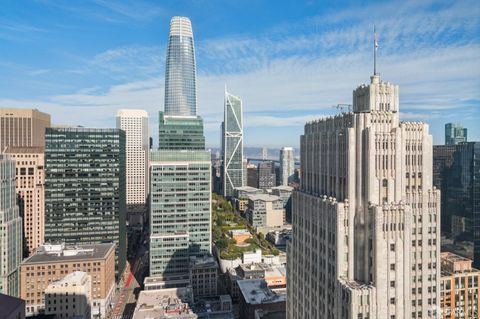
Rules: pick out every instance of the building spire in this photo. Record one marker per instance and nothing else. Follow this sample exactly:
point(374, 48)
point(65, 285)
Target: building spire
point(375, 47)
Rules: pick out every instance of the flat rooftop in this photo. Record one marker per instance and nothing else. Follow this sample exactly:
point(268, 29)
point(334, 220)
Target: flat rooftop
point(283, 188)
point(164, 303)
point(10, 304)
point(67, 254)
point(264, 197)
point(256, 292)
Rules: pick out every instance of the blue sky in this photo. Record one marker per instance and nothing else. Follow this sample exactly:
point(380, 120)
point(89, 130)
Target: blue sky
point(289, 61)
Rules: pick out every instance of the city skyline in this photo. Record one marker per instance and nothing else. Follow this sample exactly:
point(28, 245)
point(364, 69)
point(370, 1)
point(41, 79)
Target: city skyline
point(312, 46)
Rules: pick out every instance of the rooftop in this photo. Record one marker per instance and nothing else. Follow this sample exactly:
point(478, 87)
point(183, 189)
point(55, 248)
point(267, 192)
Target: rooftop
point(455, 264)
point(75, 278)
point(59, 253)
point(283, 188)
point(10, 304)
point(248, 189)
point(264, 197)
point(164, 303)
point(256, 292)
point(24, 149)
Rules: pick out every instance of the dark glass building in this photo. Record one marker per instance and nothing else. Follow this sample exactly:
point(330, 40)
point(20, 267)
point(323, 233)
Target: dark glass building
point(85, 188)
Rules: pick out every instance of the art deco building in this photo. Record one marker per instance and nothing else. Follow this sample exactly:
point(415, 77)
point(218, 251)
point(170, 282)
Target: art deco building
point(10, 230)
point(180, 72)
point(85, 188)
point(30, 187)
point(287, 165)
point(366, 239)
point(135, 125)
point(232, 145)
point(22, 127)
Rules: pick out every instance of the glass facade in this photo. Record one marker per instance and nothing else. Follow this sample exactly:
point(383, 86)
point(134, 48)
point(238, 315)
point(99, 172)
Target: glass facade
point(10, 230)
point(180, 133)
point(232, 145)
point(85, 198)
point(180, 218)
point(455, 133)
point(180, 73)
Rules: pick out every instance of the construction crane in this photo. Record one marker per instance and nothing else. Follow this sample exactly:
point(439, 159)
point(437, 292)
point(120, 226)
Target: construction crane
point(343, 106)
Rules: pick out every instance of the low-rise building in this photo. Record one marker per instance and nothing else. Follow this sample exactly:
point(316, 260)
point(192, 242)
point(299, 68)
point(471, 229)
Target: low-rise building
point(218, 307)
point(280, 237)
point(255, 295)
point(11, 307)
point(265, 211)
point(70, 296)
point(51, 263)
point(458, 287)
point(172, 303)
point(241, 196)
point(203, 276)
point(285, 193)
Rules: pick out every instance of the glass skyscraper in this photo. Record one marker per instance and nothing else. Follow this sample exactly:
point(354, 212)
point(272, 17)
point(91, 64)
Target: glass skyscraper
point(180, 73)
point(455, 133)
point(10, 230)
point(180, 132)
point(85, 192)
point(232, 144)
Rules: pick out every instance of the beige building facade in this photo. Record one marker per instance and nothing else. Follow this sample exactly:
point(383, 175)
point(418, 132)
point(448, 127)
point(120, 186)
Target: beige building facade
point(30, 186)
point(22, 127)
point(366, 219)
point(51, 263)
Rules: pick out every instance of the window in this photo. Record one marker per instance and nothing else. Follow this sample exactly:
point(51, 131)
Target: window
point(392, 301)
point(392, 266)
point(392, 247)
point(392, 284)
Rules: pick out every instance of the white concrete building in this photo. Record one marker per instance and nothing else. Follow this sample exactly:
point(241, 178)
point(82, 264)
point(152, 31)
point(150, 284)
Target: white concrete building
point(135, 125)
point(287, 165)
point(366, 219)
point(70, 297)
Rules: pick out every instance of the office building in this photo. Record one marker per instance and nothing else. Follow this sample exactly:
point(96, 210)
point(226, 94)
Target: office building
point(22, 127)
point(442, 162)
point(180, 132)
point(30, 187)
point(265, 211)
point(252, 175)
point(366, 237)
point(266, 175)
point(255, 295)
point(85, 188)
point(172, 303)
point(458, 287)
point(70, 297)
point(203, 276)
point(232, 145)
point(51, 263)
point(12, 307)
point(10, 229)
point(180, 71)
point(180, 216)
point(287, 165)
point(455, 133)
point(135, 125)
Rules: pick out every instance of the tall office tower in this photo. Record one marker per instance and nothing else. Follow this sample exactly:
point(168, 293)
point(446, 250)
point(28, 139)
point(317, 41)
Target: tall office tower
point(266, 175)
point(30, 186)
point(135, 125)
point(455, 133)
point(85, 188)
point(366, 237)
point(180, 71)
point(22, 127)
point(180, 211)
point(264, 153)
point(287, 165)
point(232, 144)
point(180, 132)
point(10, 230)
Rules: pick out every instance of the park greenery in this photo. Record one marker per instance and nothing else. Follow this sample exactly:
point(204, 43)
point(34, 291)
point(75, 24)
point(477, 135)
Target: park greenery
point(225, 218)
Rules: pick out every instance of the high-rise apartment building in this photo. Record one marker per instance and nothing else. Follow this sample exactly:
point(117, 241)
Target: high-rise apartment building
point(10, 229)
point(30, 187)
point(266, 175)
point(22, 127)
point(135, 125)
point(51, 263)
point(455, 133)
point(180, 71)
point(459, 284)
point(366, 237)
point(85, 188)
point(232, 145)
point(287, 165)
point(180, 210)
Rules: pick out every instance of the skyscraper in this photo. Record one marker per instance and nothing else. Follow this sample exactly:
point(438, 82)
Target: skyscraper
point(232, 144)
point(180, 72)
point(30, 186)
point(455, 133)
point(135, 125)
point(180, 132)
point(85, 188)
point(366, 237)
point(22, 127)
point(287, 165)
point(10, 230)
point(266, 175)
